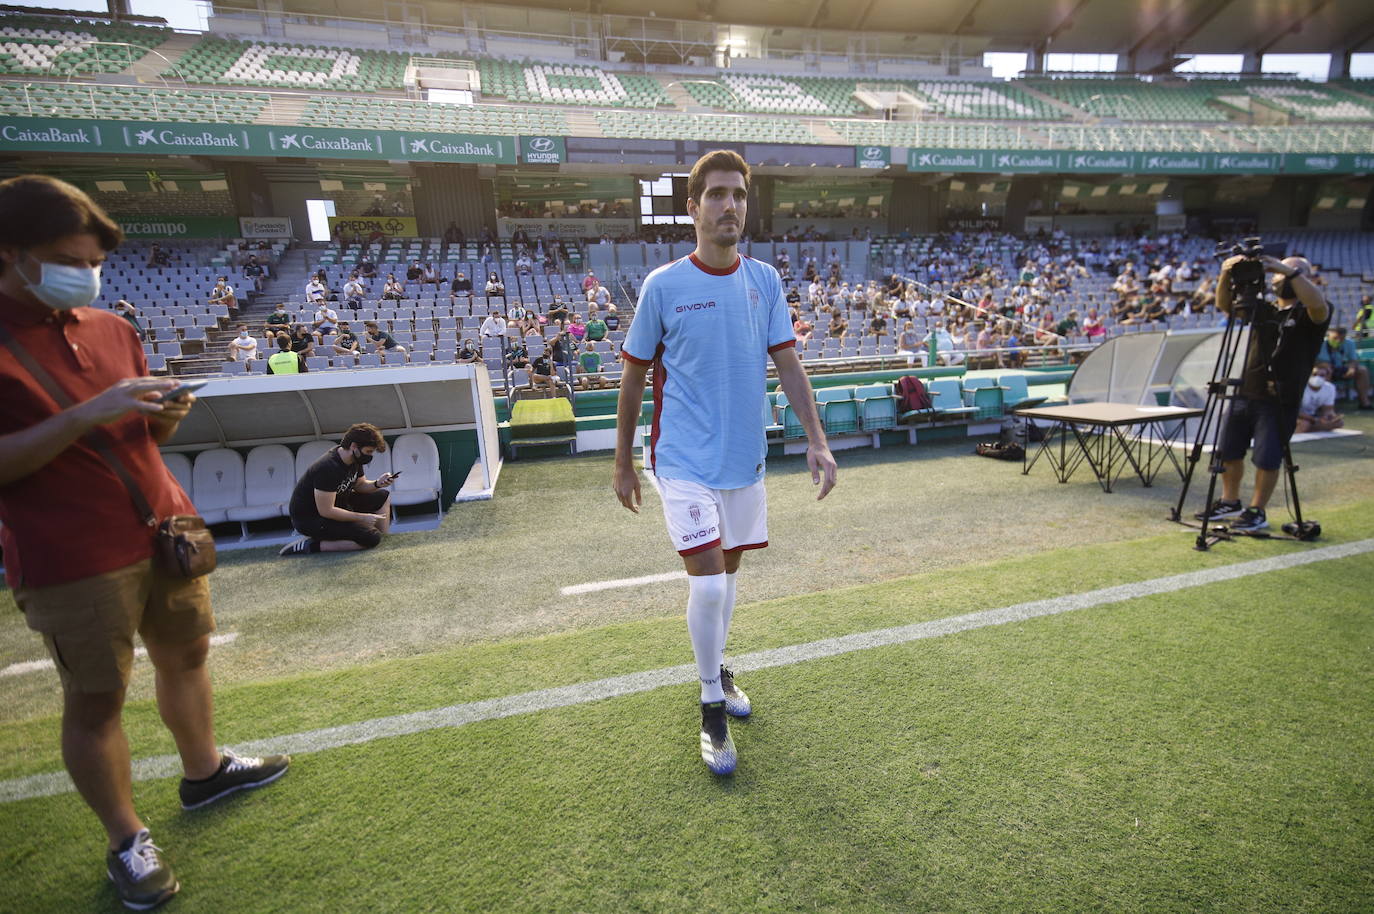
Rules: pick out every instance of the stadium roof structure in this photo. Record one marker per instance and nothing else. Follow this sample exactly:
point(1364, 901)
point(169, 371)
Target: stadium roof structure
point(1088, 26)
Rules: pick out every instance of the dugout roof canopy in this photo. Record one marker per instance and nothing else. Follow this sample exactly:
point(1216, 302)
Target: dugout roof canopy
point(1088, 26)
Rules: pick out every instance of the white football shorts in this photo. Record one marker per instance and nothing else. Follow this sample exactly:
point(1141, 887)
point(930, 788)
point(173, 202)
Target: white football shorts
point(701, 518)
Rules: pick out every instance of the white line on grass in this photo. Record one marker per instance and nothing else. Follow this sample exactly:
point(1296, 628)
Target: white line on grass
point(42, 785)
point(33, 666)
point(593, 587)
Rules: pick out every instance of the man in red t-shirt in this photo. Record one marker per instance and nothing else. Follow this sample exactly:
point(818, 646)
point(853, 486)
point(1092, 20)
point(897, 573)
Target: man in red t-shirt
point(77, 554)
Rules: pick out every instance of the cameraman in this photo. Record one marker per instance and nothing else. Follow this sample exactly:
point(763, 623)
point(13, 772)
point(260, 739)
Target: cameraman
point(1284, 339)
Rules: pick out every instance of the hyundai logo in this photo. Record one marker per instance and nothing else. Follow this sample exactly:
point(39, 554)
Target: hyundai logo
point(873, 152)
point(541, 144)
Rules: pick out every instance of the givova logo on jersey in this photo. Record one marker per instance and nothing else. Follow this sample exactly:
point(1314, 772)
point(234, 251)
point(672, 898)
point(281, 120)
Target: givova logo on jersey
point(695, 306)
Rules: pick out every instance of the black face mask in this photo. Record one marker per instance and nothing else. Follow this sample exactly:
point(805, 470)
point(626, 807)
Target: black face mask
point(362, 459)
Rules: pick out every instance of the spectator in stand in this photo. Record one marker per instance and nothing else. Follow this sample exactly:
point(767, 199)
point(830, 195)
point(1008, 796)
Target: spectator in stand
point(253, 271)
point(590, 364)
point(495, 288)
point(244, 347)
point(838, 326)
point(126, 310)
point(1365, 318)
point(453, 234)
point(1093, 328)
point(354, 291)
point(326, 320)
point(1013, 356)
point(520, 237)
point(347, 342)
point(302, 341)
point(589, 281)
point(158, 258)
point(987, 342)
point(877, 325)
point(801, 329)
point(469, 354)
point(430, 275)
point(278, 320)
point(461, 286)
point(494, 326)
point(558, 311)
point(393, 290)
point(909, 345)
point(1317, 411)
point(335, 507)
point(944, 345)
point(596, 329)
point(517, 356)
point(523, 264)
point(414, 273)
point(223, 294)
point(383, 343)
point(542, 372)
point(1069, 326)
point(1343, 363)
point(318, 287)
point(285, 360)
point(576, 329)
point(367, 269)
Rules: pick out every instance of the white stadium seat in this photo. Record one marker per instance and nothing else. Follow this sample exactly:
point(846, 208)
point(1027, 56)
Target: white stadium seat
point(217, 481)
point(416, 457)
point(308, 453)
point(180, 467)
point(269, 476)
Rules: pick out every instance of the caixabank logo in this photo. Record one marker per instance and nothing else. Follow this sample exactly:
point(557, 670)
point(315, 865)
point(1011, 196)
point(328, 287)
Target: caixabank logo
point(182, 137)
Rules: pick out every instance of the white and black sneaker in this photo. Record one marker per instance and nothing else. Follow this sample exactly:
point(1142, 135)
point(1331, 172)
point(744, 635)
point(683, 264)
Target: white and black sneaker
point(717, 748)
point(1221, 509)
point(1251, 520)
point(302, 545)
point(140, 875)
point(736, 702)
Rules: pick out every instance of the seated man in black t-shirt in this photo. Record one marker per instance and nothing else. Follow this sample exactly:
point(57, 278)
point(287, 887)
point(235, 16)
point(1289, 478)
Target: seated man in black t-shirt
point(1285, 338)
point(334, 506)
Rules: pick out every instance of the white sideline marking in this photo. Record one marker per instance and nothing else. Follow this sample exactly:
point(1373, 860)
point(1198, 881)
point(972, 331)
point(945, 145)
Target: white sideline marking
point(33, 666)
point(57, 782)
point(593, 587)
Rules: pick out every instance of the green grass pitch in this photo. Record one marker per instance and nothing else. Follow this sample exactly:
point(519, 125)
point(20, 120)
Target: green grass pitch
point(1201, 750)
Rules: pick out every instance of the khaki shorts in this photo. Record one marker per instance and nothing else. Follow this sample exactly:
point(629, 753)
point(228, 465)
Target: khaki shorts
point(88, 625)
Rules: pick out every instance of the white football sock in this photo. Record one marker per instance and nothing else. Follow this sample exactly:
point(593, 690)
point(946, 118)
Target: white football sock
point(727, 614)
point(705, 605)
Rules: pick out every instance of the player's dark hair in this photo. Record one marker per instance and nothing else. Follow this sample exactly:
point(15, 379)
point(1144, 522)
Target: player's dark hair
point(364, 434)
point(38, 209)
point(718, 160)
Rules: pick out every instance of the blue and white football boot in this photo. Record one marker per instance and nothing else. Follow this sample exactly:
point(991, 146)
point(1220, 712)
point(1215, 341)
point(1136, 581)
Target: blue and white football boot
point(717, 748)
point(736, 702)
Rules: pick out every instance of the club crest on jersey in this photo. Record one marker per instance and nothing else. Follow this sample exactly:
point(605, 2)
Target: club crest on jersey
point(695, 512)
point(754, 298)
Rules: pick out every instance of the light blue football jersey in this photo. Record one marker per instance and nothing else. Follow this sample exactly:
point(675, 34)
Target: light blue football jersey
point(708, 334)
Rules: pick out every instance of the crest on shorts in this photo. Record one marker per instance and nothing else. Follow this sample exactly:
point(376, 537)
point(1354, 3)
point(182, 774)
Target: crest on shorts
point(754, 298)
point(695, 512)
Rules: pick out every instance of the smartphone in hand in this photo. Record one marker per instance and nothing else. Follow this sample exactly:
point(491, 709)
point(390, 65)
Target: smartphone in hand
point(178, 392)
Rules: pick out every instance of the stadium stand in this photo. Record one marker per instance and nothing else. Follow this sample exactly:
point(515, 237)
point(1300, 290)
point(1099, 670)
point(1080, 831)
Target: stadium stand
point(568, 84)
point(996, 100)
point(129, 103)
point(733, 128)
point(34, 45)
point(933, 134)
point(1128, 99)
point(290, 66)
point(398, 114)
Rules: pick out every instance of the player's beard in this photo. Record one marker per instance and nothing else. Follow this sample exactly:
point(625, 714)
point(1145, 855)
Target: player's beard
point(726, 235)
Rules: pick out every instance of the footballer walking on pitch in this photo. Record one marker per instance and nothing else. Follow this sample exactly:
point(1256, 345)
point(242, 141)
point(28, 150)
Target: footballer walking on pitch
point(707, 324)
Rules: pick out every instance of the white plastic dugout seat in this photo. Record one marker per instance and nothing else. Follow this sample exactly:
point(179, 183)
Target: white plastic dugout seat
point(269, 475)
point(217, 484)
point(308, 453)
point(416, 458)
point(180, 467)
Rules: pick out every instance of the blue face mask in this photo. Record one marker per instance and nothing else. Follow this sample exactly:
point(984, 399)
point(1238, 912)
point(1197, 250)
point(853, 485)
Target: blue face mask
point(62, 287)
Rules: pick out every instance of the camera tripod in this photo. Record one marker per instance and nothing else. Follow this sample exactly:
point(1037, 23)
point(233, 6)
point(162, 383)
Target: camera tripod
point(1223, 391)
